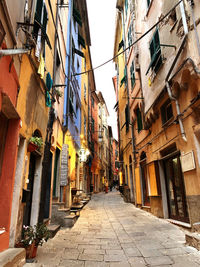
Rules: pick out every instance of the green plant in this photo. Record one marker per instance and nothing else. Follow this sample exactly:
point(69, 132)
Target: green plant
point(58, 93)
point(41, 234)
point(37, 141)
point(28, 236)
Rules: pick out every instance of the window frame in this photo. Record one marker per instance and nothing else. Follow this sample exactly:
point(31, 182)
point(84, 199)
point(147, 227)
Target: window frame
point(155, 53)
point(139, 119)
point(163, 111)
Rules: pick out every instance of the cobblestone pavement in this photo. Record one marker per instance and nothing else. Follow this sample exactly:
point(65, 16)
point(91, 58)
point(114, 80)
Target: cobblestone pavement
point(112, 233)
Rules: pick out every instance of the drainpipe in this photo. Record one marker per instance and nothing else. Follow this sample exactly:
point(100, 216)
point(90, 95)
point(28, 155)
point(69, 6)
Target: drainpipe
point(171, 69)
point(178, 111)
point(12, 52)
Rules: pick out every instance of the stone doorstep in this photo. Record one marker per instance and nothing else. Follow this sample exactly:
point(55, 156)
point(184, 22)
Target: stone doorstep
point(13, 257)
point(193, 240)
point(64, 210)
point(53, 228)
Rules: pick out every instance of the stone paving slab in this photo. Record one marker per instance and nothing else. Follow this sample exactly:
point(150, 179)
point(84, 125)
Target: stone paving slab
point(112, 233)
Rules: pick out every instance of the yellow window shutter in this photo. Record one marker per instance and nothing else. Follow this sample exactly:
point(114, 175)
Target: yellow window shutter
point(152, 179)
point(138, 186)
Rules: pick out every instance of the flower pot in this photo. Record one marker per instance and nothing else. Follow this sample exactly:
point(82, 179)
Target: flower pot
point(32, 147)
point(31, 251)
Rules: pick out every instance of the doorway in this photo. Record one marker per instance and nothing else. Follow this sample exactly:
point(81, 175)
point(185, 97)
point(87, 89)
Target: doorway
point(176, 196)
point(31, 174)
point(48, 190)
point(144, 180)
point(131, 180)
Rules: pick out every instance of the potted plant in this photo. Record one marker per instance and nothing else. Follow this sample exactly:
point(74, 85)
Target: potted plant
point(41, 234)
point(35, 143)
point(58, 94)
point(27, 241)
point(32, 237)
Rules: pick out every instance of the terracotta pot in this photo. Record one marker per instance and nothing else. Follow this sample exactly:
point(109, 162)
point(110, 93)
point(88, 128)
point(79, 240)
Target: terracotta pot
point(31, 251)
point(32, 147)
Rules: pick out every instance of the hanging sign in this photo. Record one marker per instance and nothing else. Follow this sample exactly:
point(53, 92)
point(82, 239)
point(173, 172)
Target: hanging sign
point(64, 165)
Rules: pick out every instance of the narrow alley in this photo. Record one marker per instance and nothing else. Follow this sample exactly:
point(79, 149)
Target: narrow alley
point(111, 232)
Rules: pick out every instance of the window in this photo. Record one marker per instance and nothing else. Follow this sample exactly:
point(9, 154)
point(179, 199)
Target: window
point(130, 39)
point(155, 52)
point(99, 111)
point(126, 6)
point(40, 25)
point(71, 101)
point(148, 2)
point(92, 101)
point(124, 79)
point(92, 125)
point(139, 120)
point(57, 59)
point(166, 111)
point(127, 118)
point(132, 75)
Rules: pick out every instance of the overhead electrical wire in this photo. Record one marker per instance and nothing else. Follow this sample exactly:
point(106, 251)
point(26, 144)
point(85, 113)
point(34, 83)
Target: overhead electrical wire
point(106, 62)
point(135, 42)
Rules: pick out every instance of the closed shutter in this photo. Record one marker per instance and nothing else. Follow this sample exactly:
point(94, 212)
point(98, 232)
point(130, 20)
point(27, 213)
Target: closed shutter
point(38, 15)
point(152, 179)
point(138, 186)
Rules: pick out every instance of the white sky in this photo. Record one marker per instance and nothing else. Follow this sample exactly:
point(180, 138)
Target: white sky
point(101, 15)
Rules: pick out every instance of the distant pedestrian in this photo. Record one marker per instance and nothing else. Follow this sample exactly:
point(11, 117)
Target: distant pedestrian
point(106, 185)
point(111, 186)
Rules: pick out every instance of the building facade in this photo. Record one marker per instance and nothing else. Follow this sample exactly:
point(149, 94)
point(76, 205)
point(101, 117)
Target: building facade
point(165, 135)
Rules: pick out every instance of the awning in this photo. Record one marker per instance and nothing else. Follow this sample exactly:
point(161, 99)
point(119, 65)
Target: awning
point(77, 16)
point(81, 41)
point(78, 52)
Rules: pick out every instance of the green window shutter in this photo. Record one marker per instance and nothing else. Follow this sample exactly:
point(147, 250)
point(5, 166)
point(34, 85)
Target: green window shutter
point(155, 52)
point(132, 75)
point(139, 120)
point(148, 2)
point(126, 6)
point(81, 41)
point(77, 16)
point(127, 118)
point(38, 15)
point(92, 125)
point(78, 52)
point(121, 44)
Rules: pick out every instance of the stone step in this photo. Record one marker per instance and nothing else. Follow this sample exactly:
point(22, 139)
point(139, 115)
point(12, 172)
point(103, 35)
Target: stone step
point(76, 206)
point(193, 239)
point(13, 257)
point(53, 228)
point(70, 220)
point(64, 209)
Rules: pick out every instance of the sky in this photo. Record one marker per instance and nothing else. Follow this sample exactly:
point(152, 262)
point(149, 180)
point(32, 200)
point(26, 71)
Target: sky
point(101, 14)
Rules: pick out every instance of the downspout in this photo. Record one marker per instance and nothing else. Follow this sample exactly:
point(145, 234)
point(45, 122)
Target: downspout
point(171, 69)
